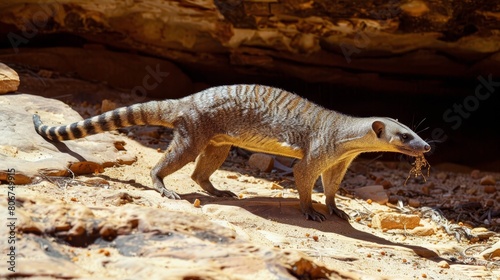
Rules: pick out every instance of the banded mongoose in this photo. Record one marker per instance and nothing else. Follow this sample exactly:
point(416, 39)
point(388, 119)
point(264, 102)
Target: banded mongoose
point(258, 118)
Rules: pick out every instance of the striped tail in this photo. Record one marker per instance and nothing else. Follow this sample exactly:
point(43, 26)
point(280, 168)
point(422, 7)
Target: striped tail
point(149, 113)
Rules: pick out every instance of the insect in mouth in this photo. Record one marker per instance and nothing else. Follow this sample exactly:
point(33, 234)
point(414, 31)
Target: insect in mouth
point(416, 170)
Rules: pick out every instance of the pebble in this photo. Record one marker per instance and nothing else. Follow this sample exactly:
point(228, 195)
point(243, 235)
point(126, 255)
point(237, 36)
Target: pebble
point(482, 233)
point(275, 186)
point(415, 8)
point(423, 231)
point(376, 193)
point(490, 189)
point(487, 180)
point(108, 232)
point(414, 202)
point(395, 221)
point(107, 105)
point(492, 252)
point(197, 203)
point(385, 183)
point(426, 189)
point(262, 162)
point(475, 174)
point(443, 264)
point(442, 176)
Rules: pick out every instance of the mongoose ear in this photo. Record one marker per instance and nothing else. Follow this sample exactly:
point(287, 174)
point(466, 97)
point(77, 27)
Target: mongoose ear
point(378, 127)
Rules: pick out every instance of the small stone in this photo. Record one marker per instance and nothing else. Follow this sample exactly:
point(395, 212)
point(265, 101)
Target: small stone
point(262, 162)
point(414, 202)
point(487, 180)
point(108, 232)
point(107, 105)
point(415, 8)
point(395, 221)
point(234, 177)
point(426, 189)
point(492, 252)
point(9, 79)
point(423, 231)
point(442, 176)
point(475, 174)
point(381, 181)
point(490, 189)
point(392, 165)
point(443, 264)
point(376, 193)
point(77, 230)
point(482, 233)
point(275, 186)
point(197, 203)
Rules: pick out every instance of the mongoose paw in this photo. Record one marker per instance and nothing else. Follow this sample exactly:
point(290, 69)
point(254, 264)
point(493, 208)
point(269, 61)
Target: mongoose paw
point(314, 215)
point(169, 194)
point(343, 215)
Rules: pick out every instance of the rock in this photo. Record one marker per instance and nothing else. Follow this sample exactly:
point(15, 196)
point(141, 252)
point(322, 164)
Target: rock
point(482, 233)
point(487, 180)
point(415, 8)
point(22, 149)
point(443, 264)
point(490, 189)
point(286, 161)
point(169, 241)
point(492, 252)
point(275, 186)
point(376, 193)
point(142, 76)
point(9, 79)
point(442, 176)
point(413, 202)
point(427, 187)
point(426, 230)
point(385, 183)
point(263, 162)
point(475, 174)
point(197, 203)
point(107, 105)
point(395, 221)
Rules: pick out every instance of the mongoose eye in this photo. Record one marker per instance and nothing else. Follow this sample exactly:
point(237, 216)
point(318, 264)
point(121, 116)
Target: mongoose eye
point(404, 136)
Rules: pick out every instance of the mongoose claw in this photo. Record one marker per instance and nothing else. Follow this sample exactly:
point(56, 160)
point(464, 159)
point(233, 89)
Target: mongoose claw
point(343, 215)
point(169, 194)
point(314, 216)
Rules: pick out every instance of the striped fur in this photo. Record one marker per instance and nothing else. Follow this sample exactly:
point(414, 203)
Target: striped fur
point(258, 118)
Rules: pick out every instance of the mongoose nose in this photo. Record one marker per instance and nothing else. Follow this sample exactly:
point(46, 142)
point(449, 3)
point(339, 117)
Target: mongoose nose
point(427, 148)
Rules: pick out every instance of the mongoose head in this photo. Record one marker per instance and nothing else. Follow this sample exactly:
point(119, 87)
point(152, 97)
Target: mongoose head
point(393, 136)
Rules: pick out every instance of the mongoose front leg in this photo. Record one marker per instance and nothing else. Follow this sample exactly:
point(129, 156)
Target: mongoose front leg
point(331, 179)
point(179, 153)
point(305, 178)
point(207, 163)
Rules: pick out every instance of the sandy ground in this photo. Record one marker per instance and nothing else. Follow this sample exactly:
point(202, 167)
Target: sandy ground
point(270, 216)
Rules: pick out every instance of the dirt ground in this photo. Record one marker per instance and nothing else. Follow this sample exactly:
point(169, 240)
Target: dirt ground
point(448, 244)
point(269, 215)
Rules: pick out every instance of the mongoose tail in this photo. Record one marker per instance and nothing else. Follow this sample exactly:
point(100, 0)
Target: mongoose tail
point(150, 113)
point(259, 118)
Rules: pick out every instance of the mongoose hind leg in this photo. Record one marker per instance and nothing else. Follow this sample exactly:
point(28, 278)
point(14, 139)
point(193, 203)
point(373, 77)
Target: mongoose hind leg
point(305, 178)
point(207, 162)
point(179, 153)
point(331, 179)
